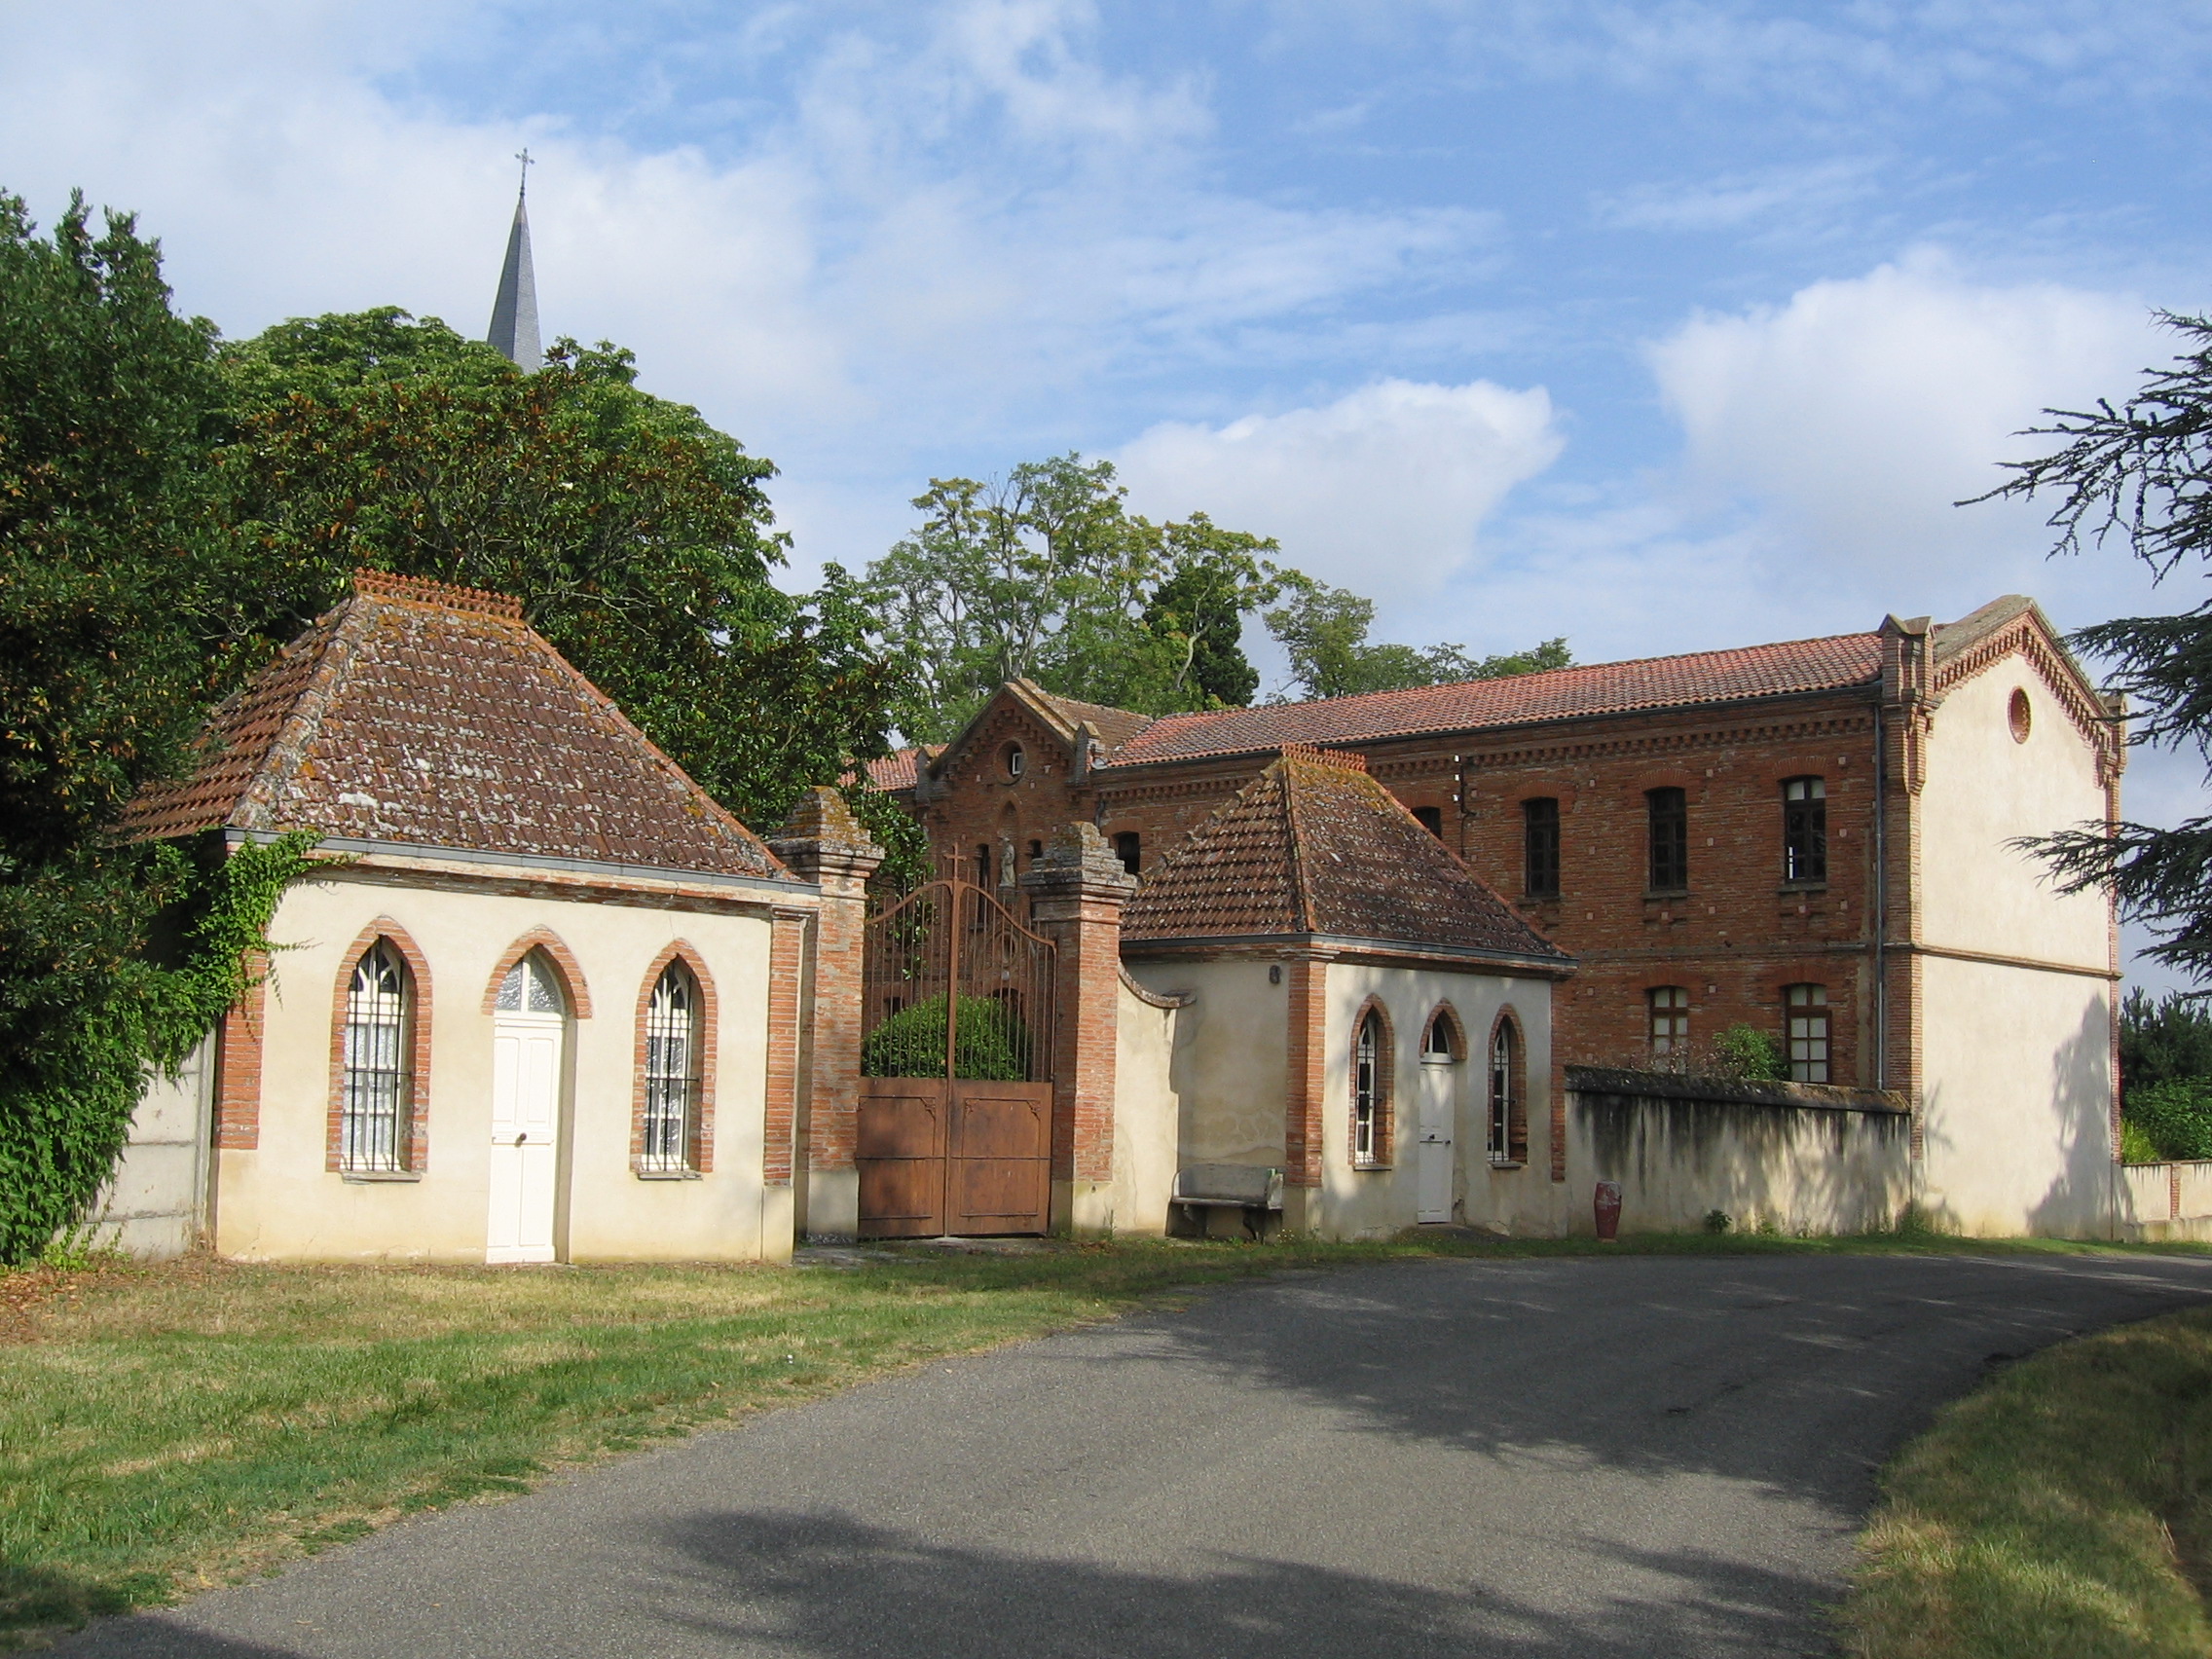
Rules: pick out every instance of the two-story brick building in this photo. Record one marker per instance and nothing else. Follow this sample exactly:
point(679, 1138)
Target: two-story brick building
point(1814, 837)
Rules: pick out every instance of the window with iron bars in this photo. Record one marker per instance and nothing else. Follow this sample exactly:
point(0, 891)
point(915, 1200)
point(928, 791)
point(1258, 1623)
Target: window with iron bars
point(378, 1063)
point(1508, 1111)
point(672, 1071)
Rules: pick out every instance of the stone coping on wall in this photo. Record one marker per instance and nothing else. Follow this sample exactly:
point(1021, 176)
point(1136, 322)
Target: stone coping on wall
point(1729, 1090)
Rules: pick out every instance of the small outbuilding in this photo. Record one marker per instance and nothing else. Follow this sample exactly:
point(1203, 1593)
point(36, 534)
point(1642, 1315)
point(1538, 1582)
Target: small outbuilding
point(1355, 1006)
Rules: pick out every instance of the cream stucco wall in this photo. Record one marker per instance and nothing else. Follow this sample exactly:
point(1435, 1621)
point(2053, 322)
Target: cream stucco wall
point(2016, 1100)
point(1147, 1115)
point(155, 1204)
point(1983, 790)
point(1229, 1070)
point(279, 1201)
point(2016, 1061)
point(1359, 1203)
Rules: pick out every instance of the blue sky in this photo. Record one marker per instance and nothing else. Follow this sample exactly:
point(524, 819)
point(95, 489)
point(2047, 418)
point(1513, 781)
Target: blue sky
point(1658, 326)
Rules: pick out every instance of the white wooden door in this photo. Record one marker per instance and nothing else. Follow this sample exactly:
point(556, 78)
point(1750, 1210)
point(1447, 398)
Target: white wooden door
point(1438, 1080)
point(526, 1137)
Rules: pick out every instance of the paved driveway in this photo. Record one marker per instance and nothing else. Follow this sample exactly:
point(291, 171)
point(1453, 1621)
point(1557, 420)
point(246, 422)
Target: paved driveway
point(1632, 1455)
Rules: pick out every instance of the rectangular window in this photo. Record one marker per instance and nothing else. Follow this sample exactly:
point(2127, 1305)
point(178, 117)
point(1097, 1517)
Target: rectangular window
point(1670, 1021)
point(1539, 847)
point(1805, 830)
point(1808, 1030)
point(1128, 847)
point(1431, 819)
point(1669, 812)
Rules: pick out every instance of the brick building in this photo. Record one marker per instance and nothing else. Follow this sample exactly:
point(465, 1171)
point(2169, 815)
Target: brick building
point(1812, 837)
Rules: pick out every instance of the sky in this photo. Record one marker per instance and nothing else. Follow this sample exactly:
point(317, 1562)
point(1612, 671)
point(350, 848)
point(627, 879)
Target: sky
point(1660, 327)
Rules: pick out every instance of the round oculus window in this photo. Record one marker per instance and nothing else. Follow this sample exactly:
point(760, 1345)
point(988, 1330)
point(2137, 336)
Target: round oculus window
point(2020, 716)
point(1015, 761)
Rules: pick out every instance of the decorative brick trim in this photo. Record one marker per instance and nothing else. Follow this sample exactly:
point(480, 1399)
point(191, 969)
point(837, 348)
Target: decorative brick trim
point(238, 1066)
point(700, 1154)
point(1306, 1020)
point(785, 962)
point(1385, 1088)
point(422, 590)
point(559, 954)
point(1517, 1113)
point(2024, 634)
point(415, 1133)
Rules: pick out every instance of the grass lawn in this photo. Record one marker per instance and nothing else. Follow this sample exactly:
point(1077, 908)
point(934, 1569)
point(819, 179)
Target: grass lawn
point(2063, 1509)
point(167, 1429)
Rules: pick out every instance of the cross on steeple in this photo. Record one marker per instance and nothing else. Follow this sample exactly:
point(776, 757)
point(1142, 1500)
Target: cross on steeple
point(523, 156)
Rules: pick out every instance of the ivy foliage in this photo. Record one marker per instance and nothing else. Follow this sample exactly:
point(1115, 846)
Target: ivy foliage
point(115, 958)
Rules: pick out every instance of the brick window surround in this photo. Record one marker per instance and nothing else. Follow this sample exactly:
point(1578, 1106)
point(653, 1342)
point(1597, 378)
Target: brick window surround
point(1447, 1017)
point(1377, 1086)
point(415, 1132)
point(556, 951)
point(700, 1153)
point(1505, 1081)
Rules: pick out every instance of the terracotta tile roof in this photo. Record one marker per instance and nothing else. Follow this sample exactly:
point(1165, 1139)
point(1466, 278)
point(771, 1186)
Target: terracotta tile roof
point(894, 771)
point(1313, 845)
point(1115, 726)
point(433, 716)
point(1562, 693)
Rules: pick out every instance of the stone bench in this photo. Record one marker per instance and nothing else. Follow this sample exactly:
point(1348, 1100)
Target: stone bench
point(1253, 1188)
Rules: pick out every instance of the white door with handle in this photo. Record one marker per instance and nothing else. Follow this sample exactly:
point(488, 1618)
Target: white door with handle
point(528, 1034)
point(1438, 1092)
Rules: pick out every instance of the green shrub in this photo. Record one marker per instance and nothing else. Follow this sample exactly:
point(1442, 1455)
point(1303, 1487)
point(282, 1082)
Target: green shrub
point(1746, 1052)
point(993, 1043)
point(2136, 1146)
point(2175, 1116)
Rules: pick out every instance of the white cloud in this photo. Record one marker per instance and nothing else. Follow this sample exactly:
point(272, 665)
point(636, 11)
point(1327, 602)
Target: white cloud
point(1854, 415)
point(1383, 490)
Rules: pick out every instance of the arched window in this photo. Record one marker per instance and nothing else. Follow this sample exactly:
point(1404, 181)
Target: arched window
point(1808, 1032)
point(1805, 830)
point(672, 1072)
point(1441, 1041)
point(378, 1064)
point(1508, 1095)
point(531, 986)
point(1371, 1091)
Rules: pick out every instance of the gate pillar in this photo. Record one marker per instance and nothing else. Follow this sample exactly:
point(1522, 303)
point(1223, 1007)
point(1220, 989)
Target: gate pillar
point(824, 844)
point(1076, 892)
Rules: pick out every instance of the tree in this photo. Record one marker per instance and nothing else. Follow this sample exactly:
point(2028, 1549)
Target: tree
point(638, 536)
point(1324, 631)
point(1045, 575)
point(2143, 471)
point(115, 957)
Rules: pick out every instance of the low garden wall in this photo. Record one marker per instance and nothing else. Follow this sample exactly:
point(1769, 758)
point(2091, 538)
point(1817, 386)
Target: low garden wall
point(2166, 1200)
point(1791, 1156)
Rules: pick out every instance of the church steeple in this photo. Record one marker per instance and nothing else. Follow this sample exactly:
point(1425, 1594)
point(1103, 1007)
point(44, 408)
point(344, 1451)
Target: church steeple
point(514, 314)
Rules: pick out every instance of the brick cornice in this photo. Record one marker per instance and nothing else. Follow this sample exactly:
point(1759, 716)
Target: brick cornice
point(2025, 637)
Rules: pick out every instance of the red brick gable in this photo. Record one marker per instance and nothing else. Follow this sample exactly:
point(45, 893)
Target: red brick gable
point(435, 716)
point(1316, 846)
point(1564, 693)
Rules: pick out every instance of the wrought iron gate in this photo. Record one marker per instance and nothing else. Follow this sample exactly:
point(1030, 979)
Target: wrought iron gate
point(955, 1130)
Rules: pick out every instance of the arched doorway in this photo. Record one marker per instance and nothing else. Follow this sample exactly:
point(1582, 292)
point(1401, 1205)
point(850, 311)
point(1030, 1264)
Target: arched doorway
point(1442, 1050)
point(530, 1030)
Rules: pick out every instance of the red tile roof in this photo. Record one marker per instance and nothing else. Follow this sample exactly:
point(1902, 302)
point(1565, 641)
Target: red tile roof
point(1562, 693)
point(1313, 845)
point(435, 716)
point(894, 771)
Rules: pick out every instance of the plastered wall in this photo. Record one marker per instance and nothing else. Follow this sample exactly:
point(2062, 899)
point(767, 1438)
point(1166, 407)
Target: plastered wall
point(1147, 1115)
point(2016, 1100)
point(279, 1199)
point(155, 1204)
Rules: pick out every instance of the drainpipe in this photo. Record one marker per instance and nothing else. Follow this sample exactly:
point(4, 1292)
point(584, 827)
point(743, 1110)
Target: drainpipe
point(1881, 903)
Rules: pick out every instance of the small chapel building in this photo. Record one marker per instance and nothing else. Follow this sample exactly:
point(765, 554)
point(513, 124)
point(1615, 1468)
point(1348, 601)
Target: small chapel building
point(541, 998)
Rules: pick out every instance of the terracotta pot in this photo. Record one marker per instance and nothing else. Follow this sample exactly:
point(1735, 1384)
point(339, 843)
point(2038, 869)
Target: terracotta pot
point(1608, 1206)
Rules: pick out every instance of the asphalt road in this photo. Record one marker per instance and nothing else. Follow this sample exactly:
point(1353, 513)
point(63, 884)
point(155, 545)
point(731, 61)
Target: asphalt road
point(1582, 1458)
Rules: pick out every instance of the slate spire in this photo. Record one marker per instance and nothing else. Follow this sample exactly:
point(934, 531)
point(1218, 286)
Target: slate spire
point(514, 314)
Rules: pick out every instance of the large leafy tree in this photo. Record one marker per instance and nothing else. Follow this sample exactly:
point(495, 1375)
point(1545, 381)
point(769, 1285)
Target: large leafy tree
point(1323, 630)
point(2142, 471)
point(638, 536)
point(1045, 575)
point(114, 957)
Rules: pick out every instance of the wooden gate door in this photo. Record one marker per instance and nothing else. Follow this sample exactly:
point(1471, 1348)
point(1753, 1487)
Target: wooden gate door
point(956, 1096)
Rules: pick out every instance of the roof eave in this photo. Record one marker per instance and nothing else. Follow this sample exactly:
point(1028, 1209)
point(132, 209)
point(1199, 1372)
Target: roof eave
point(1551, 966)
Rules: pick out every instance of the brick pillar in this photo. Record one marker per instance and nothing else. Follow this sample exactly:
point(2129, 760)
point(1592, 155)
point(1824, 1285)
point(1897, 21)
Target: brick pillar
point(1306, 1028)
point(821, 842)
point(1076, 892)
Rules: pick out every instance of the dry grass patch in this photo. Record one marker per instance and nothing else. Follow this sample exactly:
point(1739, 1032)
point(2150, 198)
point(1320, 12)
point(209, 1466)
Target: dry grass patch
point(2064, 1509)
